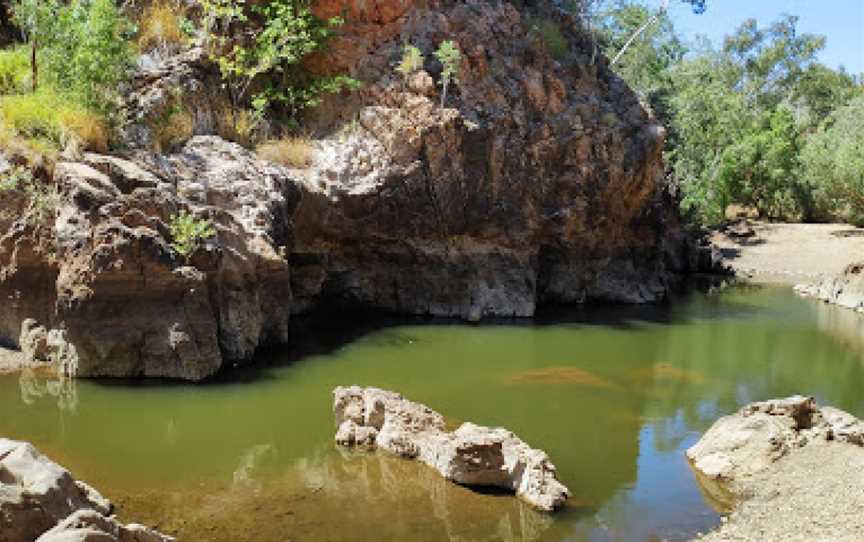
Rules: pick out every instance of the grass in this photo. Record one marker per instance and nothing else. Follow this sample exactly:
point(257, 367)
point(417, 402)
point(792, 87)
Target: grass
point(46, 116)
point(293, 152)
point(160, 26)
point(15, 70)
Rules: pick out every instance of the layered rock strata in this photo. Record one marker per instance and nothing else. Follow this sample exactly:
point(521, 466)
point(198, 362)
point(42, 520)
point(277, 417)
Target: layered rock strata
point(472, 455)
point(40, 500)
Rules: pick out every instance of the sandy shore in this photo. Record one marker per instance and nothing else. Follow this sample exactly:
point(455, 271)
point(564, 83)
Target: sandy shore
point(789, 253)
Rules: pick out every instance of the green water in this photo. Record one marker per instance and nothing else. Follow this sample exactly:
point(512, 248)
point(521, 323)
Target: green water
point(613, 395)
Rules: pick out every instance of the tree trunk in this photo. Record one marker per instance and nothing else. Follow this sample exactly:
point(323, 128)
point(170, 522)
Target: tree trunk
point(34, 66)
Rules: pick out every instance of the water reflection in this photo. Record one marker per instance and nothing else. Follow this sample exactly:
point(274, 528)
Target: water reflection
point(38, 385)
point(614, 402)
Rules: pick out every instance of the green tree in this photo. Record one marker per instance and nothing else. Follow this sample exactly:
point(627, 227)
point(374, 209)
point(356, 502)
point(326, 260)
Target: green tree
point(449, 56)
point(412, 60)
point(35, 18)
point(262, 45)
point(833, 163)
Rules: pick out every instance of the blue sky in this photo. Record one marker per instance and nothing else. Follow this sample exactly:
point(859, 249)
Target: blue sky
point(841, 21)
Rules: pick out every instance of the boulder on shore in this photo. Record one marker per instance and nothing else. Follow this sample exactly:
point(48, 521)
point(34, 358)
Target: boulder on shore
point(40, 500)
point(788, 469)
point(845, 290)
point(472, 455)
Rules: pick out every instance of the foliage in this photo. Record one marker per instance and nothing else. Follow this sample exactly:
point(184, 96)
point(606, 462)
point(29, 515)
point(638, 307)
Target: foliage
point(449, 56)
point(737, 117)
point(88, 54)
point(48, 116)
point(293, 152)
point(412, 60)
point(174, 126)
point(552, 38)
point(262, 45)
point(759, 169)
point(15, 70)
point(189, 232)
point(833, 162)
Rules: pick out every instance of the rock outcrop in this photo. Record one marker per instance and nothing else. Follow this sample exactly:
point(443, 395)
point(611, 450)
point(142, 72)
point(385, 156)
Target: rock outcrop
point(472, 455)
point(790, 470)
point(39, 500)
point(92, 282)
point(845, 290)
point(540, 182)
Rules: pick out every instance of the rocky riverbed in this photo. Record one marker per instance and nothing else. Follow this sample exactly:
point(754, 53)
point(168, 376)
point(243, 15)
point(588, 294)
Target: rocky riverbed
point(788, 469)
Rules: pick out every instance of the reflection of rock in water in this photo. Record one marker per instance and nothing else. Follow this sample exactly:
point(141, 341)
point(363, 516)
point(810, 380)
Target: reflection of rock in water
point(841, 323)
point(35, 386)
point(371, 484)
point(245, 475)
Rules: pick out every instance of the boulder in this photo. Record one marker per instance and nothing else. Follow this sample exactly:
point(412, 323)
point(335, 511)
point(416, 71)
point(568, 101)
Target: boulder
point(473, 455)
point(786, 469)
point(91, 526)
point(41, 500)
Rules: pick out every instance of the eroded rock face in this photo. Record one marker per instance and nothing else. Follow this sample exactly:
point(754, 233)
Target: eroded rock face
point(94, 284)
point(40, 500)
point(540, 182)
point(473, 455)
point(845, 290)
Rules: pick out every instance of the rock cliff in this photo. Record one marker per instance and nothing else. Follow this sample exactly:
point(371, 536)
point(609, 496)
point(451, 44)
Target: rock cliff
point(539, 182)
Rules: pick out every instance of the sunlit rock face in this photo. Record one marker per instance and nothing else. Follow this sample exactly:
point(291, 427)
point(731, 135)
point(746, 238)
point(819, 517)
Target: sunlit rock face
point(472, 455)
point(539, 181)
point(95, 285)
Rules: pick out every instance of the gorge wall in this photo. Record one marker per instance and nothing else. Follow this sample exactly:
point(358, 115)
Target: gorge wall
point(541, 181)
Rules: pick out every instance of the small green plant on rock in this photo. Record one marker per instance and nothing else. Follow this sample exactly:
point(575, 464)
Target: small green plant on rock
point(189, 232)
point(14, 178)
point(449, 56)
point(412, 60)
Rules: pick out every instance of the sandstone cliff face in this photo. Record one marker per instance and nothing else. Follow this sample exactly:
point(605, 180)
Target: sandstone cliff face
point(540, 182)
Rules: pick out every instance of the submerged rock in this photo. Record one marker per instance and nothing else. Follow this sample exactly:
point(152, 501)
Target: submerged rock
point(473, 455)
point(40, 500)
point(789, 469)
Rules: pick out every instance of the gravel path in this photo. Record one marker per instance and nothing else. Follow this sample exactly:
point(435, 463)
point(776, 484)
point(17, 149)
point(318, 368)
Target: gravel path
point(789, 253)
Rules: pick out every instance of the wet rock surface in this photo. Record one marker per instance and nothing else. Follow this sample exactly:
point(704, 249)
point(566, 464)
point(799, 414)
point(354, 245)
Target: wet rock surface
point(472, 455)
point(790, 470)
point(40, 500)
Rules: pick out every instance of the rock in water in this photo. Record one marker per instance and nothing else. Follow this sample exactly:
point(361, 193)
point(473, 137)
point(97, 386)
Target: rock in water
point(40, 500)
point(472, 455)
